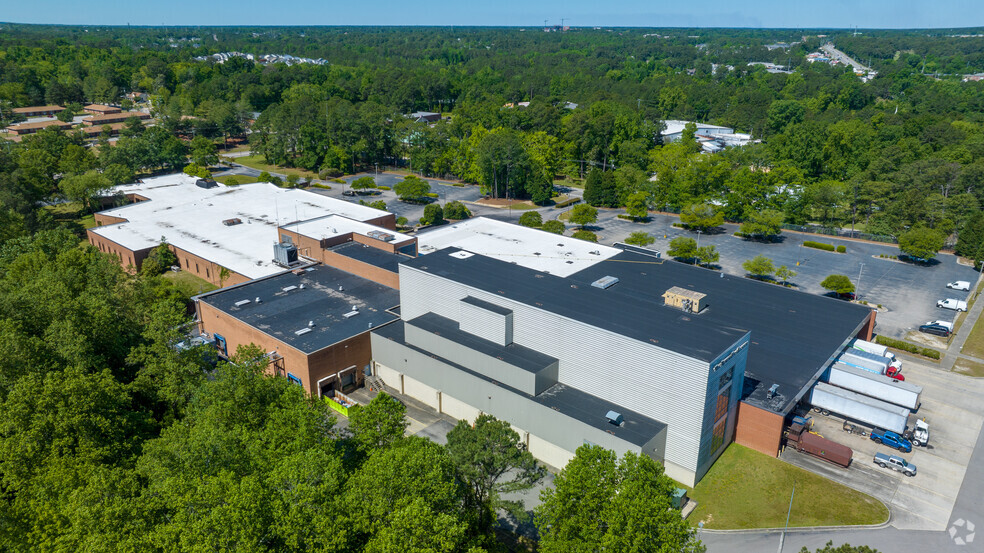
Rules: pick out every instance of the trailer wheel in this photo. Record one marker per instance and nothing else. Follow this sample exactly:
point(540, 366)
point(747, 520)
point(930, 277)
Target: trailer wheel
point(825, 412)
point(816, 409)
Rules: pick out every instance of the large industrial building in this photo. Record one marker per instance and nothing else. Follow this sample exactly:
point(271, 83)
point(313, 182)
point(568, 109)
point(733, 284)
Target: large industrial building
point(576, 343)
point(223, 234)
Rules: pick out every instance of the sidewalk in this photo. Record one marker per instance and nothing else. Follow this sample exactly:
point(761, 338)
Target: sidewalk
point(953, 352)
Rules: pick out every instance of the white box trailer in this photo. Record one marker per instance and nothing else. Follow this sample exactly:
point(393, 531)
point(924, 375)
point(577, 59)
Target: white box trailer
point(872, 347)
point(874, 385)
point(874, 365)
point(875, 357)
point(859, 407)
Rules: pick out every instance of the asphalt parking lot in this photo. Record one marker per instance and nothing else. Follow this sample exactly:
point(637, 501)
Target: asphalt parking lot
point(952, 407)
point(906, 291)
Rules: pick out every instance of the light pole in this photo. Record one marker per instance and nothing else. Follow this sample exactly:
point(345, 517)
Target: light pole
point(782, 536)
point(857, 290)
point(698, 246)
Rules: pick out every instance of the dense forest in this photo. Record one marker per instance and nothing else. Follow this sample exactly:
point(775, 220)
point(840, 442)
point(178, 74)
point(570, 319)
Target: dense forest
point(114, 439)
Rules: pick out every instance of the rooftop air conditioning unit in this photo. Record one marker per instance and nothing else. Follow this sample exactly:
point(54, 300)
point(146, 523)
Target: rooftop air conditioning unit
point(615, 418)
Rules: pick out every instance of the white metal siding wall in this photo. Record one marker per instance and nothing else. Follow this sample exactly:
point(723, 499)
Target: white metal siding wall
point(458, 409)
point(390, 377)
point(484, 324)
point(658, 383)
point(549, 453)
point(417, 389)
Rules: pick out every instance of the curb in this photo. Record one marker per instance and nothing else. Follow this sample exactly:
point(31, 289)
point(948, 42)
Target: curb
point(804, 529)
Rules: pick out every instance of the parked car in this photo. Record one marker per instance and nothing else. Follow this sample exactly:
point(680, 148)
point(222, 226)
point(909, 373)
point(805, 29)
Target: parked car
point(947, 324)
point(959, 285)
point(951, 303)
point(891, 439)
point(935, 330)
point(895, 463)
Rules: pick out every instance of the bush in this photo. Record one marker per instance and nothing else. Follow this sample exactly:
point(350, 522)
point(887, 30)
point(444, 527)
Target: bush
point(585, 235)
point(640, 239)
point(456, 210)
point(906, 346)
point(264, 177)
point(327, 172)
point(554, 226)
point(531, 219)
point(277, 181)
point(840, 284)
point(338, 181)
point(232, 181)
point(433, 215)
point(567, 202)
point(383, 187)
point(401, 221)
point(432, 195)
point(819, 245)
point(841, 249)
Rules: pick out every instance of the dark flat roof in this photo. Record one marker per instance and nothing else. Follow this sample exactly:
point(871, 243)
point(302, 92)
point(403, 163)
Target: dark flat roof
point(619, 309)
point(637, 429)
point(516, 355)
point(281, 313)
point(794, 334)
point(372, 256)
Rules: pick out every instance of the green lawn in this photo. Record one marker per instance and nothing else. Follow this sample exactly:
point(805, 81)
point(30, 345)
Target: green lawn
point(259, 163)
point(241, 179)
point(975, 340)
point(189, 284)
point(747, 489)
point(70, 214)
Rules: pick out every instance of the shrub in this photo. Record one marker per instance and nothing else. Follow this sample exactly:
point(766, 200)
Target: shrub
point(232, 181)
point(338, 181)
point(277, 181)
point(327, 172)
point(567, 202)
point(585, 235)
point(531, 219)
point(458, 184)
point(841, 249)
point(906, 346)
point(640, 239)
point(264, 177)
point(554, 226)
point(383, 187)
point(456, 210)
point(319, 185)
point(819, 245)
point(839, 284)
point(401, 221)
point(433, 215)
point(432, 195)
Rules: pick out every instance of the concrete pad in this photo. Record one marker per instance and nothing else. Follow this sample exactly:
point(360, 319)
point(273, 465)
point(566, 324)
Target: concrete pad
point(920, 512)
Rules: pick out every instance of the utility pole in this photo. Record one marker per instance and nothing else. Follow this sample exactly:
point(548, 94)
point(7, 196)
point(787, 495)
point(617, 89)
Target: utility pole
point(782, 537)
point(562, 19)
point(857, 290)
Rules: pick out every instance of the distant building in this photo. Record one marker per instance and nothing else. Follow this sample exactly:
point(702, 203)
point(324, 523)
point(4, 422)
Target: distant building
point(39, 111)
point(120, 117)
point(425, 116)
point(31, 128)
point(100, 109)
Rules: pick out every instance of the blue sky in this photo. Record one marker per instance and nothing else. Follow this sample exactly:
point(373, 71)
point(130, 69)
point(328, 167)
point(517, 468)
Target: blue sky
point(635, 13)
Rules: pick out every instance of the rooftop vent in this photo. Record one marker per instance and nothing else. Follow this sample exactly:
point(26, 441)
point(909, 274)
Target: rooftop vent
point(341, 288)
point(241, 303)
point(605, 282)
point(289, 288)
point(350, 314)
point(233, 221)
point(303, 331)
point(687, 300)
point(461, 254)
point(380, 235)
point(615, 418)
point(257, 300)
point(773, 390)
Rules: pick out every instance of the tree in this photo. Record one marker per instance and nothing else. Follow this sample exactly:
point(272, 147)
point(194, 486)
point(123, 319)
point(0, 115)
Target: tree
point(379, 424)
point(599, 189)
point(412, 188)
point(85, 188)
point(363, 183)
point(640, 238)
point(531, 219)
point(204, 152)
point(159, 259)
point(763, 225)
point(456, 210)
point(839, 284)
point(701, 217)
point(583, 214)
point(784, 273)
point(586, 235)
point(707, 254)
point(921, 242)
point(759, 266)
point(118, 174)
point(970, 241)
point(682, 247)
point(636, 205)
point(65, 116)
point(554, 226)
point(601, 503)
point(433, 215)
point(491, 463)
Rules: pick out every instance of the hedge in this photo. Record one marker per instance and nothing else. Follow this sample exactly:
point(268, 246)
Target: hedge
point(906, 346)
point(382, 187)
point(431, 195)
point(819, 245)
point(841, 249)
point(567, 202)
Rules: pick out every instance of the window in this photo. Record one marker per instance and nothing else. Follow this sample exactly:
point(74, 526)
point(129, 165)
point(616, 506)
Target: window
point(721, 407)
point(717, 439)
point(187, 263)
point(725, 378)
point(294, 379)
point(206, 273)
point(196, 267)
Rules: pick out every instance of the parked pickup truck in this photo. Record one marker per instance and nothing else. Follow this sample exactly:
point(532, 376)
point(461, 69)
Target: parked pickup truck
point(895, 463)
point(891, 439)
point(951, 303)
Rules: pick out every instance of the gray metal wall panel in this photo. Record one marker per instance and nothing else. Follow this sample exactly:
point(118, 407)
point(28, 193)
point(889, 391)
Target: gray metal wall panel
point(494, 327)
point(658, 383)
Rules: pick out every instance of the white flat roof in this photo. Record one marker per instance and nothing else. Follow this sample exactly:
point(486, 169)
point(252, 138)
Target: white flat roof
point(336, 225)
point(190, 218)
point(535, 249)
point(675, 126)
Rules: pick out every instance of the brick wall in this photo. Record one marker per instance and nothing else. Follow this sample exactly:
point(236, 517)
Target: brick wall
point(758, 429)
point(869, 327)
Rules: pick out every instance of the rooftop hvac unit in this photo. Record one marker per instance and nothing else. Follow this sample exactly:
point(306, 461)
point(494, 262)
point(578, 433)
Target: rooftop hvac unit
point(687, 300)
point(615, 418)
point(284, 254)
point(232, 222)
point(206, 183)
point(605, 282)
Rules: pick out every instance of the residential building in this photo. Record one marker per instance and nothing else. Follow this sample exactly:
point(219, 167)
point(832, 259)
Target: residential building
point(100, 109)
point(120, 117)
point(39, 111)
point(31, 128)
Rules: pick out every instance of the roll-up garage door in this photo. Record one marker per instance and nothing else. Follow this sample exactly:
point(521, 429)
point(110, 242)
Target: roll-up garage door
point(458, 409)
point(420, 391)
